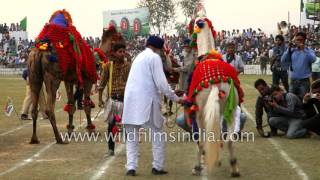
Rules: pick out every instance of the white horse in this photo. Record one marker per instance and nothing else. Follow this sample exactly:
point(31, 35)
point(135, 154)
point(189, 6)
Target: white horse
point(216, 91)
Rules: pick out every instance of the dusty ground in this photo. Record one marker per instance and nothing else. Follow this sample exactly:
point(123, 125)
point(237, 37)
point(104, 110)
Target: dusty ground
point(276, 158)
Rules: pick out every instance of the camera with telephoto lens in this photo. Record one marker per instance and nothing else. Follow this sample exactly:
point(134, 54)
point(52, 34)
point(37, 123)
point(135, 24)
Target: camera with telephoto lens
point(313, 95)
point(292, 44)
point(268, 99)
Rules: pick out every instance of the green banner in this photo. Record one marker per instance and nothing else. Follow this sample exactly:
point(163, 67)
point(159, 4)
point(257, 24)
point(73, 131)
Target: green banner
point(23, 24)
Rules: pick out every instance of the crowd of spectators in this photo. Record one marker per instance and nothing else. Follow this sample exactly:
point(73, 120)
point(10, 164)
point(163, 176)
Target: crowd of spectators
point(295, 63)
point(13, 52)
point(4, 28)
point(252, 44)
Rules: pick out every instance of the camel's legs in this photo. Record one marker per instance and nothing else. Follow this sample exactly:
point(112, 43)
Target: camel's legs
point(52, 85)
point(88, 104)
point(35, 91)
point(71, 105)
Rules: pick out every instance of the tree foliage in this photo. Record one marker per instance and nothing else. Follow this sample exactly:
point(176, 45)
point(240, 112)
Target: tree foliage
point(162, 13)
point(181, 28)
point(188, 7)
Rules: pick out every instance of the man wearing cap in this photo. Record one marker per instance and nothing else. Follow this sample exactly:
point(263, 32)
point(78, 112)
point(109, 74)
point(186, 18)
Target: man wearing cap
point(142, 105)
point(311, 106)
point(185, 70)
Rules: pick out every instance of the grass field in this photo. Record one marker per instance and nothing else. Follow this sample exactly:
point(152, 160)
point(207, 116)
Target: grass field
point(272, 159)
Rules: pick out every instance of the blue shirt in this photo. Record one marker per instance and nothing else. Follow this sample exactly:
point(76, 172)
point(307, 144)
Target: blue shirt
point(301, 62)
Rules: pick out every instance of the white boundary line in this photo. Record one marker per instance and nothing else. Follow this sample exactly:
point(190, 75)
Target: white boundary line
point(283, 154)
point(31, 159)
point(15, 129)
point(103, 168)
point(22, 126)
point(8, 78)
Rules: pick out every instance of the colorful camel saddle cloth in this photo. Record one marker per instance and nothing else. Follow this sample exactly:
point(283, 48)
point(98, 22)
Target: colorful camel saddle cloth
point(67, 47)
point(210, 72)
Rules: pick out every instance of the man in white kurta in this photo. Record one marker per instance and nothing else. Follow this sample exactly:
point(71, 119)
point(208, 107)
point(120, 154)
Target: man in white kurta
point(142, 103)
point(236, 62)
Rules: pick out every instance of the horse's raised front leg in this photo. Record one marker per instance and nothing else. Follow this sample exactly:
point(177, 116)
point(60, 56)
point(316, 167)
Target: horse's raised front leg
point(70, 106)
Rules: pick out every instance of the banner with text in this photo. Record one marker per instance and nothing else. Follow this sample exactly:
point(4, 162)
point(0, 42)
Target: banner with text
point(130, 22)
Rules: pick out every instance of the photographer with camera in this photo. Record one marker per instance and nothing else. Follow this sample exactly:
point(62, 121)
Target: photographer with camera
point(311, 105)
point(300, 59)
point(288, 113)
point(279, 71)
point(263, 104)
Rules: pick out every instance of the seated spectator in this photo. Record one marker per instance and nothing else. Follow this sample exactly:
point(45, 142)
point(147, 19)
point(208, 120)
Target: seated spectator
point(262, 103)
point(311, 105)
point(288, 113)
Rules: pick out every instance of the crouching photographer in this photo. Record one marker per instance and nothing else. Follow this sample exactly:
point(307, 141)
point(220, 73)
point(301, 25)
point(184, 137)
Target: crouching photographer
point(262, 103)
point(287, 113)
point(311, 105)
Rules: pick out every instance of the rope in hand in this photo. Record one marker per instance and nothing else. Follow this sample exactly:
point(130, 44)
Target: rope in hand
point(170, 123)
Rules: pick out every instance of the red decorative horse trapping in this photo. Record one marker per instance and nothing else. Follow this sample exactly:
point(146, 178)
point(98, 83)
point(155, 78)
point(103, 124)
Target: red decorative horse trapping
point(213, 71)
point(66, 45)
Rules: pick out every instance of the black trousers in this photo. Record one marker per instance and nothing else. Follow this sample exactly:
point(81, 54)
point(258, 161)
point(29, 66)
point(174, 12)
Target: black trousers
point(111, 142)
point(312, 124)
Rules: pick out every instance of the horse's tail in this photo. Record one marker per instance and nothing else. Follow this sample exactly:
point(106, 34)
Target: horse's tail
point(35, 67)
point(212, 121)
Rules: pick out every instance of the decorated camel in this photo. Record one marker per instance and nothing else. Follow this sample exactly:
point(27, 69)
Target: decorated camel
point(61, 55)
point(215, 92)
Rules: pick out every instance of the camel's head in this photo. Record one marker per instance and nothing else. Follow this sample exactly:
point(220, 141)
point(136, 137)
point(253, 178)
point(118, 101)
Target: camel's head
point(61, 18)
point(110, 37)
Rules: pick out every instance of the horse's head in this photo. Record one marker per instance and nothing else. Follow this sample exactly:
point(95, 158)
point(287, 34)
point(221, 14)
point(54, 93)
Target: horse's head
point(203, 35)
point(110, 37)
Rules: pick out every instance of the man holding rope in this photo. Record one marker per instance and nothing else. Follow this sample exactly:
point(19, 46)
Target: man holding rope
point(142, 101)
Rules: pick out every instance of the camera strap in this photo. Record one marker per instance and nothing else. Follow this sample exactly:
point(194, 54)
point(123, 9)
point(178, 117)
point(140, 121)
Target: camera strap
point(290, 59)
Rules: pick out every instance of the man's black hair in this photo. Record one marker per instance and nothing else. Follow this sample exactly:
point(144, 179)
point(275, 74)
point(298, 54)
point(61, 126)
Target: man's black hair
point(280, 37)
point(118, 46)
point(275, 88)
point(230, 45)
point(260, 82)
point(302, 34)
point(315, 84)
